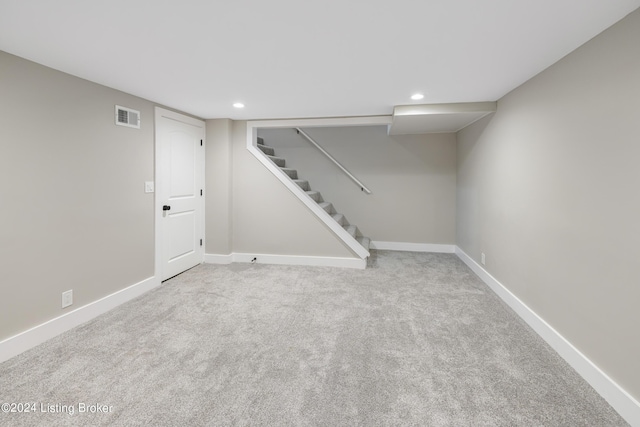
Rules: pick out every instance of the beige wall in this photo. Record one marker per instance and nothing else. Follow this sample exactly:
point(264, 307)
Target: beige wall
point(74, 212)
point(548, 190)
point(412, 179)
point(218, 169)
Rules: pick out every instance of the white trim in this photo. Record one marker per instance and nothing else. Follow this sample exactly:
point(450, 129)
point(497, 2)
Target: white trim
point(161, 112)
point(30, 338)
point(218, 259)
point(618, 398)
point(413, 247)
point(328, 122)
point(314, 261)
point(337, 229)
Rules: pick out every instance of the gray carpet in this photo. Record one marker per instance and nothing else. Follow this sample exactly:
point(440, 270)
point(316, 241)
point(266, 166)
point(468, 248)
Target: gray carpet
point(414, 340)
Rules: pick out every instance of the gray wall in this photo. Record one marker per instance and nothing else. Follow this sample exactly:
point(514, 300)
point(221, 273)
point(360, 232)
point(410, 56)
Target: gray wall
point(412, 179)
point(250, 211)
point(218, 168)
point(74, 213)
point(548, 190)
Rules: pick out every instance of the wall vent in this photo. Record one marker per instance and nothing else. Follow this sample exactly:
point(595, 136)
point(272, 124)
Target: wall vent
point(127, 117)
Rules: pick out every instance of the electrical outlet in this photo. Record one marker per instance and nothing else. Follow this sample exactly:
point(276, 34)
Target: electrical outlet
point(67, 298)
point(482, 259)
point(148, 187)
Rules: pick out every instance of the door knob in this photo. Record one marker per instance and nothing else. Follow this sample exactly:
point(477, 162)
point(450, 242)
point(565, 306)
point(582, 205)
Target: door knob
point(166, 208)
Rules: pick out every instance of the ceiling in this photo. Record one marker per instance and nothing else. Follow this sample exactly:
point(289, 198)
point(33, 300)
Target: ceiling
point(294, 59)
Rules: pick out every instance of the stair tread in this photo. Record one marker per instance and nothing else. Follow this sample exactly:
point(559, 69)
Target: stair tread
point(315, 195)
point(351, 229)
point(267, 150)
point(340, 218)
point(327, 206)
point(302, 183)
point(277, 160)
point(293, 174)
point(364, 241)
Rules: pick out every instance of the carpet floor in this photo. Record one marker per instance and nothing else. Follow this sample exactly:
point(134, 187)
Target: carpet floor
point(414, 340)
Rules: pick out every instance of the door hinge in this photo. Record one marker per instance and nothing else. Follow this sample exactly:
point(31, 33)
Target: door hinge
point(200, 242)
point(200, 143)
point(201, 192)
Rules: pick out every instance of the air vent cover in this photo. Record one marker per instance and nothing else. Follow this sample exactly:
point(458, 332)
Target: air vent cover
point(127, 117)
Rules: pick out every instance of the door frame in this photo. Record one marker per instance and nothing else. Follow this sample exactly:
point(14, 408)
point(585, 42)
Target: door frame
point(172, 115)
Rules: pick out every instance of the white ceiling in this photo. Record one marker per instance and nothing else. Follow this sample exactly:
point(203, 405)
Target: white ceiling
point(294, 58)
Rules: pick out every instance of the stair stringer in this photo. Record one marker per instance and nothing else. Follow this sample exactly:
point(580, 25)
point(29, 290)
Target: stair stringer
point(320, 213)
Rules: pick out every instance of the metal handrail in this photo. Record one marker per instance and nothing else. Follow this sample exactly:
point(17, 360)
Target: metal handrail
point(337, 163)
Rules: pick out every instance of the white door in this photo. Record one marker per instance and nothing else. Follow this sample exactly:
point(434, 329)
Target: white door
point(179, 192)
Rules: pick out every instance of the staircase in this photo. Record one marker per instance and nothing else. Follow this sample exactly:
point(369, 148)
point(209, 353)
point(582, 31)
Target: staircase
point(353, 231)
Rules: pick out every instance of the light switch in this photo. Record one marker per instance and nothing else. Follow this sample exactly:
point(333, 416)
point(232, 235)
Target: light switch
point(148, 187)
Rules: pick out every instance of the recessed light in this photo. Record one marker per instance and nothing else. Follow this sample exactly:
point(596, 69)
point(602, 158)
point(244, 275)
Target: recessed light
point(417, 96)
point(238, 105)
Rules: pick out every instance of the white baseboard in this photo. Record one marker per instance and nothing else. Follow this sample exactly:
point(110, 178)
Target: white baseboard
point(618, 398)
point(218, 259)
point(313, 261)
point(30, 338)
point(413, 247)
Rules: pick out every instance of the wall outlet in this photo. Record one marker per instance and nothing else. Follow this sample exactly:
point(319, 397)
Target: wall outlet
point(148, 187)
point(67, 298)
point(482, 259)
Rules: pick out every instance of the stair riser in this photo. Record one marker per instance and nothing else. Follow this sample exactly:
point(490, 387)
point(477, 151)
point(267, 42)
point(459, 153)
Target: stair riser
point(351, 229)
point(315, 196)
point(303, 184)
point(328, 207)
point(365, 242)
point(293, 174)
point(278, 161)
point(267, 150)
